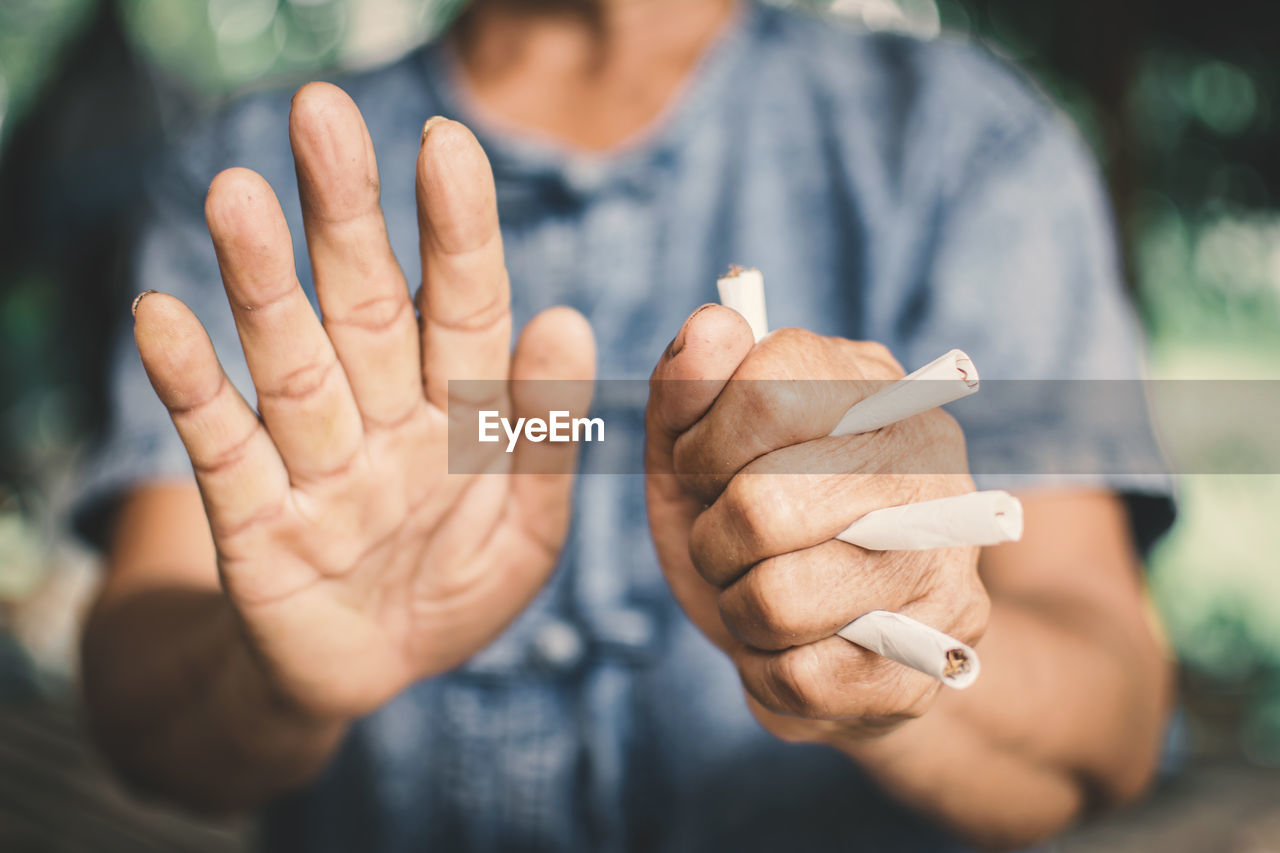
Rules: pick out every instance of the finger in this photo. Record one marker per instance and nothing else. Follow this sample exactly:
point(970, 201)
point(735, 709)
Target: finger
point(362, 292)
point(552, 370)
point(302, 392)
point(686, 381)
point(805, 494)
point(805, 596)
point(465, 300)
point(793, 387)
point(763, 515)
point(833, 679)
point(241, 476)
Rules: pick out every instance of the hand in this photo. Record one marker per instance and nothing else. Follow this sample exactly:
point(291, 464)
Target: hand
point(746, 540)
point(356, 564)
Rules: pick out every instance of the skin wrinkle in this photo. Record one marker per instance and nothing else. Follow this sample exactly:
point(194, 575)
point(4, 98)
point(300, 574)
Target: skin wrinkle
point(228, 457)
point(321, 220)
point(341, 469)
point(180, 409)
point(372, 315)
point(304, 382)
point(257, 312)
point(360, 255)
point(232, 532)
point(394, 423)
point(481, 320)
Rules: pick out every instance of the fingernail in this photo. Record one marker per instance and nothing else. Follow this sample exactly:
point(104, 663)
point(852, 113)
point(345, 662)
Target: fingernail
point(677, 343)
point(431, 122)
point(137, 300)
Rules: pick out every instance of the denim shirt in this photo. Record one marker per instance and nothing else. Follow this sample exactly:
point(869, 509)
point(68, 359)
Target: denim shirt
point(916, 193)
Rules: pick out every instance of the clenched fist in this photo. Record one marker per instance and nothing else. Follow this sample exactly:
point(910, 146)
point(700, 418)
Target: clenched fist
point(745, 493)
point(355, 563)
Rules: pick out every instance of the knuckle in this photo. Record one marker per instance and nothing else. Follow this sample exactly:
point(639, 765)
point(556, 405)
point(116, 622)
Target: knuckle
point(961, 600)
point(763, 610)
point(689, 456)
point(769, 405)
point(702, 547)
point(874, 351)
point(778, 354)
point(705, 487)
point(929, 447)
point(940, 428)
point(753, 510)
point(875, 360)
point(779, 395)
point(793, 336)
point(796, 680)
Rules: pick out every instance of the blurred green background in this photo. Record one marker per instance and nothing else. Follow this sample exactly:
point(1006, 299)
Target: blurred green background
point(1179, 100)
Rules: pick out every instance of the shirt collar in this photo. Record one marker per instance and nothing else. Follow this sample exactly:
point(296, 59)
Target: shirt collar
point(524, 163)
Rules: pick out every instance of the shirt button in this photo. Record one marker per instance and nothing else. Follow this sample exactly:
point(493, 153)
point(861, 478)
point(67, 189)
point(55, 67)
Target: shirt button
point(630, 628)
point(558, 645)
point(585, 177)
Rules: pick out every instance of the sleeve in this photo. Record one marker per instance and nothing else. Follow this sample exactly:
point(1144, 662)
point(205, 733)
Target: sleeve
point(172, 253)
point(1024, 275)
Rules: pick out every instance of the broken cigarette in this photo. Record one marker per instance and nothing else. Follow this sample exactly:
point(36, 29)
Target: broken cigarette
point(742, 290)
point(939, 382)
point(916, 645)
point(978, 518)
point(982, 518)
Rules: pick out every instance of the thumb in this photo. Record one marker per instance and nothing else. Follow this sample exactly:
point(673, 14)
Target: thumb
point(686, 382)
point(694, 369)
point(552, 371)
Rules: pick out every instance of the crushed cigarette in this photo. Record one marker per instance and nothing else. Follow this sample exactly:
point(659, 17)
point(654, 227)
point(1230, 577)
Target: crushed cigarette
point(939, 382)
point(977, 519)
point(916, 645)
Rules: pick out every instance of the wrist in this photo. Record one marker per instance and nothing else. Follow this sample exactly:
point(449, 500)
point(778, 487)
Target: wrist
point(277, 718)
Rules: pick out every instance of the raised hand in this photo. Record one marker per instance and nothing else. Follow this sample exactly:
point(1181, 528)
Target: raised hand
point(356, 563)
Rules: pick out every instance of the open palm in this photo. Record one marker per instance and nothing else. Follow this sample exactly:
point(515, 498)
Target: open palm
point(356, 563)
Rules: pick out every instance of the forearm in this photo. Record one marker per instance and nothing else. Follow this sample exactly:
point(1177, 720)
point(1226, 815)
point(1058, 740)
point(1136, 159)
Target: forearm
point(182, 709)
point(1067, 716)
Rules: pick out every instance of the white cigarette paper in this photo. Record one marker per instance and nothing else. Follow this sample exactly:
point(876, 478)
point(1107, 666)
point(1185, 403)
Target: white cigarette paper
point(743, 290)
point(916, 645)
point(947, 378)
point(978, 518)
point(968, 522)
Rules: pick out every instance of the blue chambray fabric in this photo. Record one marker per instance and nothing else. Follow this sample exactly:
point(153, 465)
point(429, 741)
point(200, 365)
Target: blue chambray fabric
point(919, 194)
